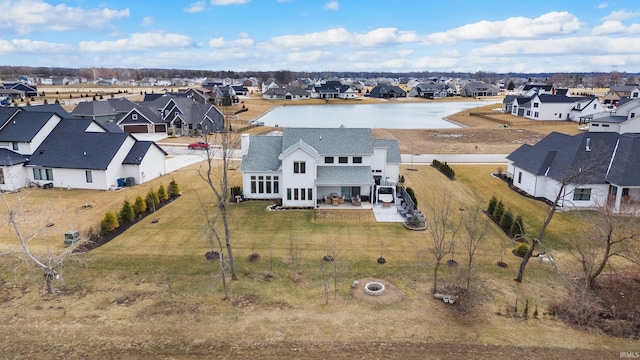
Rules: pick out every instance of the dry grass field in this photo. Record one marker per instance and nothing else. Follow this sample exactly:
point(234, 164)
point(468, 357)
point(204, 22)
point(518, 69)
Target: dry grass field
point(150, 293)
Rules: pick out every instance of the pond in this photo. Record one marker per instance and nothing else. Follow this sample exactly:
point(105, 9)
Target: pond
point(389, 116)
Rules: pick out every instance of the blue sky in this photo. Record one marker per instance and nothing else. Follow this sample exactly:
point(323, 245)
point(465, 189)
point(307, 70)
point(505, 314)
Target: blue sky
point(322, 35)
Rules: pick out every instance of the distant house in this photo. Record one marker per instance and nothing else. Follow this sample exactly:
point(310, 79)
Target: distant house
point(385, 91)
point(185, 116)
point(479, 89)
point(304, 165)
point(625, 119)
point(286, 93)
point(430, 90)
point(618, 92)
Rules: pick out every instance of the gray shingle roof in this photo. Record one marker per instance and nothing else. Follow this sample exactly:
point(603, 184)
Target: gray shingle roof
point(24, 126)
point(393, 149)
point(93, 108)
point(625, 167)
point(138, 152)
point(263, 154)
point(9, 158)
point(344, 175)
point(69, 146)
point(331, 141)
point(564, 157)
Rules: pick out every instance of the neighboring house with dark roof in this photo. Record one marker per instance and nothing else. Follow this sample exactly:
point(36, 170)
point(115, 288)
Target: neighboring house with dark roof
point(479, 89)
point(553, 107)
point(286, 93)
point(617, 92)
point(42, 147)
point(597, 168)
point(303, 165)
point(386, 91)
point(184, 116)
point(430, 90)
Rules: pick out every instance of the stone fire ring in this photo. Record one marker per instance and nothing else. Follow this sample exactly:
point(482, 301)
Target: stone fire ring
point(374, 288)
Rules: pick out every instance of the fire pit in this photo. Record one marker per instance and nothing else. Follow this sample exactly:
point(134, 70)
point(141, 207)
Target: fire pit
point(374, 288)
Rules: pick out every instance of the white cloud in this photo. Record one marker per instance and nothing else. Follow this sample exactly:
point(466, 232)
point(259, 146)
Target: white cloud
point(602, 6)
point(147, 21)
point(588, 45)
point(222, 43)
point(609, 27)
point(340, 37)
point(139, 42)
point(229, 2)
point(332, 5)
point(195, 7)
point(515, 27)
point(621, 15)
point(305, 57)
point(32, 46)
point(23, 16)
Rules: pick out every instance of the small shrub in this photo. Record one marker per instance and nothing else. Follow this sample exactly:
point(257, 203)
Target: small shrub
point(127, 214)
point(521, 249)
point(162, 194)
point(492, 205)
point(174, 190)
point(498, 211)
point(517, 227)
point(109, 222)
point(139, 206)
point(152, 200)
point(506, 221)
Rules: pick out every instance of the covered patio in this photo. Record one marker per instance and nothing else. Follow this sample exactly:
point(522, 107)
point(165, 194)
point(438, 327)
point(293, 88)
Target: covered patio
point(342, 185)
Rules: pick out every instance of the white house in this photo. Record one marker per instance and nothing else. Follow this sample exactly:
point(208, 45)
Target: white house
point(623, 120)
point(302, 166)
point(44, 148)
point(596, 167)
point(555, 107)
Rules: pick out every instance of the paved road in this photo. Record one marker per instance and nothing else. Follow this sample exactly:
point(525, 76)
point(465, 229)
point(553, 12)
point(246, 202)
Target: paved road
point(454, 158)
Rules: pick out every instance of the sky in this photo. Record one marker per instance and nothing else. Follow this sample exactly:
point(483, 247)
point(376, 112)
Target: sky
point(324, 35)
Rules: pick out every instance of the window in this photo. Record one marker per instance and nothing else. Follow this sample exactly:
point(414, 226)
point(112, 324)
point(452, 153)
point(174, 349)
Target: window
point(15, 146)
point(357, 159)
point(42, 174)
point(134, 116)
point(253, 185)
point(592, 124)
point(309, 194)
point(581, 194)
point(560, 116)
point(535, 105)
point(635, 95)
point(535, 114)
point(633, 115)
point(268, 184)
point(295, 194)
point(595, 105)
point(276, 185)
point(261, 184)
point(4, 144)
point(288, 193)
point(328, 160)
point(605, 125)
point(1, 176)
point(299, 167)
point(302, 194)
point(343, 159)
point(88, 176)
point(528, 112)
point(519, 177)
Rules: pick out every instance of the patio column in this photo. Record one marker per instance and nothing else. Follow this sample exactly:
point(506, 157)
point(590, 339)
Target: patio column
point(618, 199)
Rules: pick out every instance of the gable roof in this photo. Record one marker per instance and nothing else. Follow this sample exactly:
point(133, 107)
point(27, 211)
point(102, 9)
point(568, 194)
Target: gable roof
point(393, 149)
point(331, 141)
point(24, 126)
point(10, 158)
point(86, 150)
point(625, 167)
point(138, 152)
point(263, 154)
point(564, 157)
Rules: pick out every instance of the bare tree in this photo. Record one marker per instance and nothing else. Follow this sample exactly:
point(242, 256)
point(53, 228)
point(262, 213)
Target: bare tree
point(476, 228)
point(605, 235)
point(219, 168)
point(215, 240)
point(29, 228)
point(443, 228)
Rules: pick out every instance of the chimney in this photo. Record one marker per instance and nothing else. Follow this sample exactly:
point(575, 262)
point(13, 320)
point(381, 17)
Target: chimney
point(244, 143)
point(587, 148)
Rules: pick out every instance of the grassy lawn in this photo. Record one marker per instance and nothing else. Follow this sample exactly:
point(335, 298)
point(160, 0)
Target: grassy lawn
point(152, 283)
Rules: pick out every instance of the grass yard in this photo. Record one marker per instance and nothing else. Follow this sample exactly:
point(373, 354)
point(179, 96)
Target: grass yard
point(150, 292)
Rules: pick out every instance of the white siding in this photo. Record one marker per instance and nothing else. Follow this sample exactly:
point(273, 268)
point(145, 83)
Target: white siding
point(15, 177)
point(290, 180)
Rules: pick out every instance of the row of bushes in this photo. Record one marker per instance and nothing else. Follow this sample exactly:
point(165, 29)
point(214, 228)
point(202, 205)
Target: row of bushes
point(502, 216)
point(129, 212)
point(444, 168)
